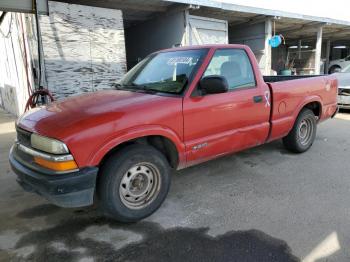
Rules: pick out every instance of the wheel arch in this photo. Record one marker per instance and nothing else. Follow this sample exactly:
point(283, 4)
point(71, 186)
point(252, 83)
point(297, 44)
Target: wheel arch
point(165, 141)
point(315, 107)
point(330, 71)
point(313, 103)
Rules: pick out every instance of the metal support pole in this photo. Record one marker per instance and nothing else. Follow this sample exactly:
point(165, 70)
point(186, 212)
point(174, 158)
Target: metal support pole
point(24, 6)
point(318, 50)
point(268, 51)
point(188, 28)
point(299, 49)
point(2, 17)
point(328, 54)
point(41, 73)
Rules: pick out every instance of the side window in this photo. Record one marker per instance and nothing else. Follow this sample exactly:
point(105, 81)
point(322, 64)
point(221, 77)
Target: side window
point(234, 65)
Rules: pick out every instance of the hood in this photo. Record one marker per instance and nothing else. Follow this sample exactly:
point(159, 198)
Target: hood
point(343, 80)
point(60, 119)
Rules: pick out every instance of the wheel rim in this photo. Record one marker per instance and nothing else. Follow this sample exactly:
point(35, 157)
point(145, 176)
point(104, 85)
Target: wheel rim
point(306, 129)
point(140, 185)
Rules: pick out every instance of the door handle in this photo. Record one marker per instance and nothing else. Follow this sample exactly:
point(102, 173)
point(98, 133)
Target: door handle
point(257, 99)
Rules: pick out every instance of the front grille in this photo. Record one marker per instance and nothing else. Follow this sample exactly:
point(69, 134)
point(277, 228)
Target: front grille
point(23, 136)
point(23, 157)
point(343, 92)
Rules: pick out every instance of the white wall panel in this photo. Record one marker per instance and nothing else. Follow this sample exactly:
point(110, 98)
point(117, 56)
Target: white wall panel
point(15, 54)
point(205, 30)
point(84, 48)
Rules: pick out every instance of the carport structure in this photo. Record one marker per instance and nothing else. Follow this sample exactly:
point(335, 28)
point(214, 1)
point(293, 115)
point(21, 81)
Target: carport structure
point(295, 27)
point(255, 26)
point(89, 45)
point(321, 37)
point(248, 25)
point(245, 25)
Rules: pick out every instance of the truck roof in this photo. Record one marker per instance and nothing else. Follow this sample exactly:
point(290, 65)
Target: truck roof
point(214, 46)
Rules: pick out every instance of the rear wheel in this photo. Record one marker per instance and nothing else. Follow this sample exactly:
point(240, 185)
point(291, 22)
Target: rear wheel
point(334, 69)
point(133, 183)
point(303, 134)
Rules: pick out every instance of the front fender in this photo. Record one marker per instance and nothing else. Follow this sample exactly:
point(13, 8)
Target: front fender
point(133, 133)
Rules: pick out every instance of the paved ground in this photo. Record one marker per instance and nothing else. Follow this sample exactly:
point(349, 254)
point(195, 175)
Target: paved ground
point(263, 204)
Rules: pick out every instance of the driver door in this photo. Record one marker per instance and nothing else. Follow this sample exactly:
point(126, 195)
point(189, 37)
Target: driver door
point(217, 124)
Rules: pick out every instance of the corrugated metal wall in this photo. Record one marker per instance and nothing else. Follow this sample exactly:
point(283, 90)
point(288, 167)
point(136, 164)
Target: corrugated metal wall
point(84, 48)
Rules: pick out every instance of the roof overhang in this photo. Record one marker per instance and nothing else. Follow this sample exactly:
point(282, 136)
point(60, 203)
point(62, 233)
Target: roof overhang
point(292, 26)
point(24, 6)
point(257, 10)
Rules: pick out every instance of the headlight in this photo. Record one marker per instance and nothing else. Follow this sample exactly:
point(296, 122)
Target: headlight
point(48, 145)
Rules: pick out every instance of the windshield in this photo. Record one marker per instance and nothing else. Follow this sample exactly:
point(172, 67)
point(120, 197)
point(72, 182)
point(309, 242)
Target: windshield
point(346, 69)
point(166, 72)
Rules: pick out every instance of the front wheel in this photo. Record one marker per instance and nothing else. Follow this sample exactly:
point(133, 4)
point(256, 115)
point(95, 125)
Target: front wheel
point(133, 183)
point(303, 133)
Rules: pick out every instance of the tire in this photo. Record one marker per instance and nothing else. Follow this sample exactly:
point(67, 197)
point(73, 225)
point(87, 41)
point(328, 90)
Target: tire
point(334, 69)
point(303, 133)
point(133, 183)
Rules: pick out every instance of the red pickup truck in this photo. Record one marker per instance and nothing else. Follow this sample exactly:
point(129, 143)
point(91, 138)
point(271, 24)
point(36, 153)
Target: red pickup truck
point(176, 108)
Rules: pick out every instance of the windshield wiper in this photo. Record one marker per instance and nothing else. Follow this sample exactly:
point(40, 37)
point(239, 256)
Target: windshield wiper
point(118, 86)
point(135, 87)
point(144, 88)
point(123, 87)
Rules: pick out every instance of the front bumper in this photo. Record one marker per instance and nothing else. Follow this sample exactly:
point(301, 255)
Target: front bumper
point(74, 189)
point(344, 101)
point(335, 112)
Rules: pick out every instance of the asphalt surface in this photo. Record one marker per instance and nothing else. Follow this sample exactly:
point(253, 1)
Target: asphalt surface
point(263, 204)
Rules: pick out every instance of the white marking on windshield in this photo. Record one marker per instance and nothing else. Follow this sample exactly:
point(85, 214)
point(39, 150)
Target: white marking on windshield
point(180, 60)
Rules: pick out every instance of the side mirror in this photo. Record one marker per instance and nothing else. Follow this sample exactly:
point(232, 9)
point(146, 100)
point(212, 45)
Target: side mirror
point(213, 84)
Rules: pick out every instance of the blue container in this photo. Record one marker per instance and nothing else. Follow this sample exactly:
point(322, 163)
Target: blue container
point(286, 72)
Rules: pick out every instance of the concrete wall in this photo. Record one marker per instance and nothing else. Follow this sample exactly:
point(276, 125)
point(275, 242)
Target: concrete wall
point(162, 32)
point(252, 35)
point(84, 48)
point(16, 76)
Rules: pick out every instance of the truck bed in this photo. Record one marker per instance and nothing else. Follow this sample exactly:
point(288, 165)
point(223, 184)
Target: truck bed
point(280, 78)
point(289, 96)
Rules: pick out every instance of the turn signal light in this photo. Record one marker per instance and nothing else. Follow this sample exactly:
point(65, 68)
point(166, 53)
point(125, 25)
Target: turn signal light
point(57, 166)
